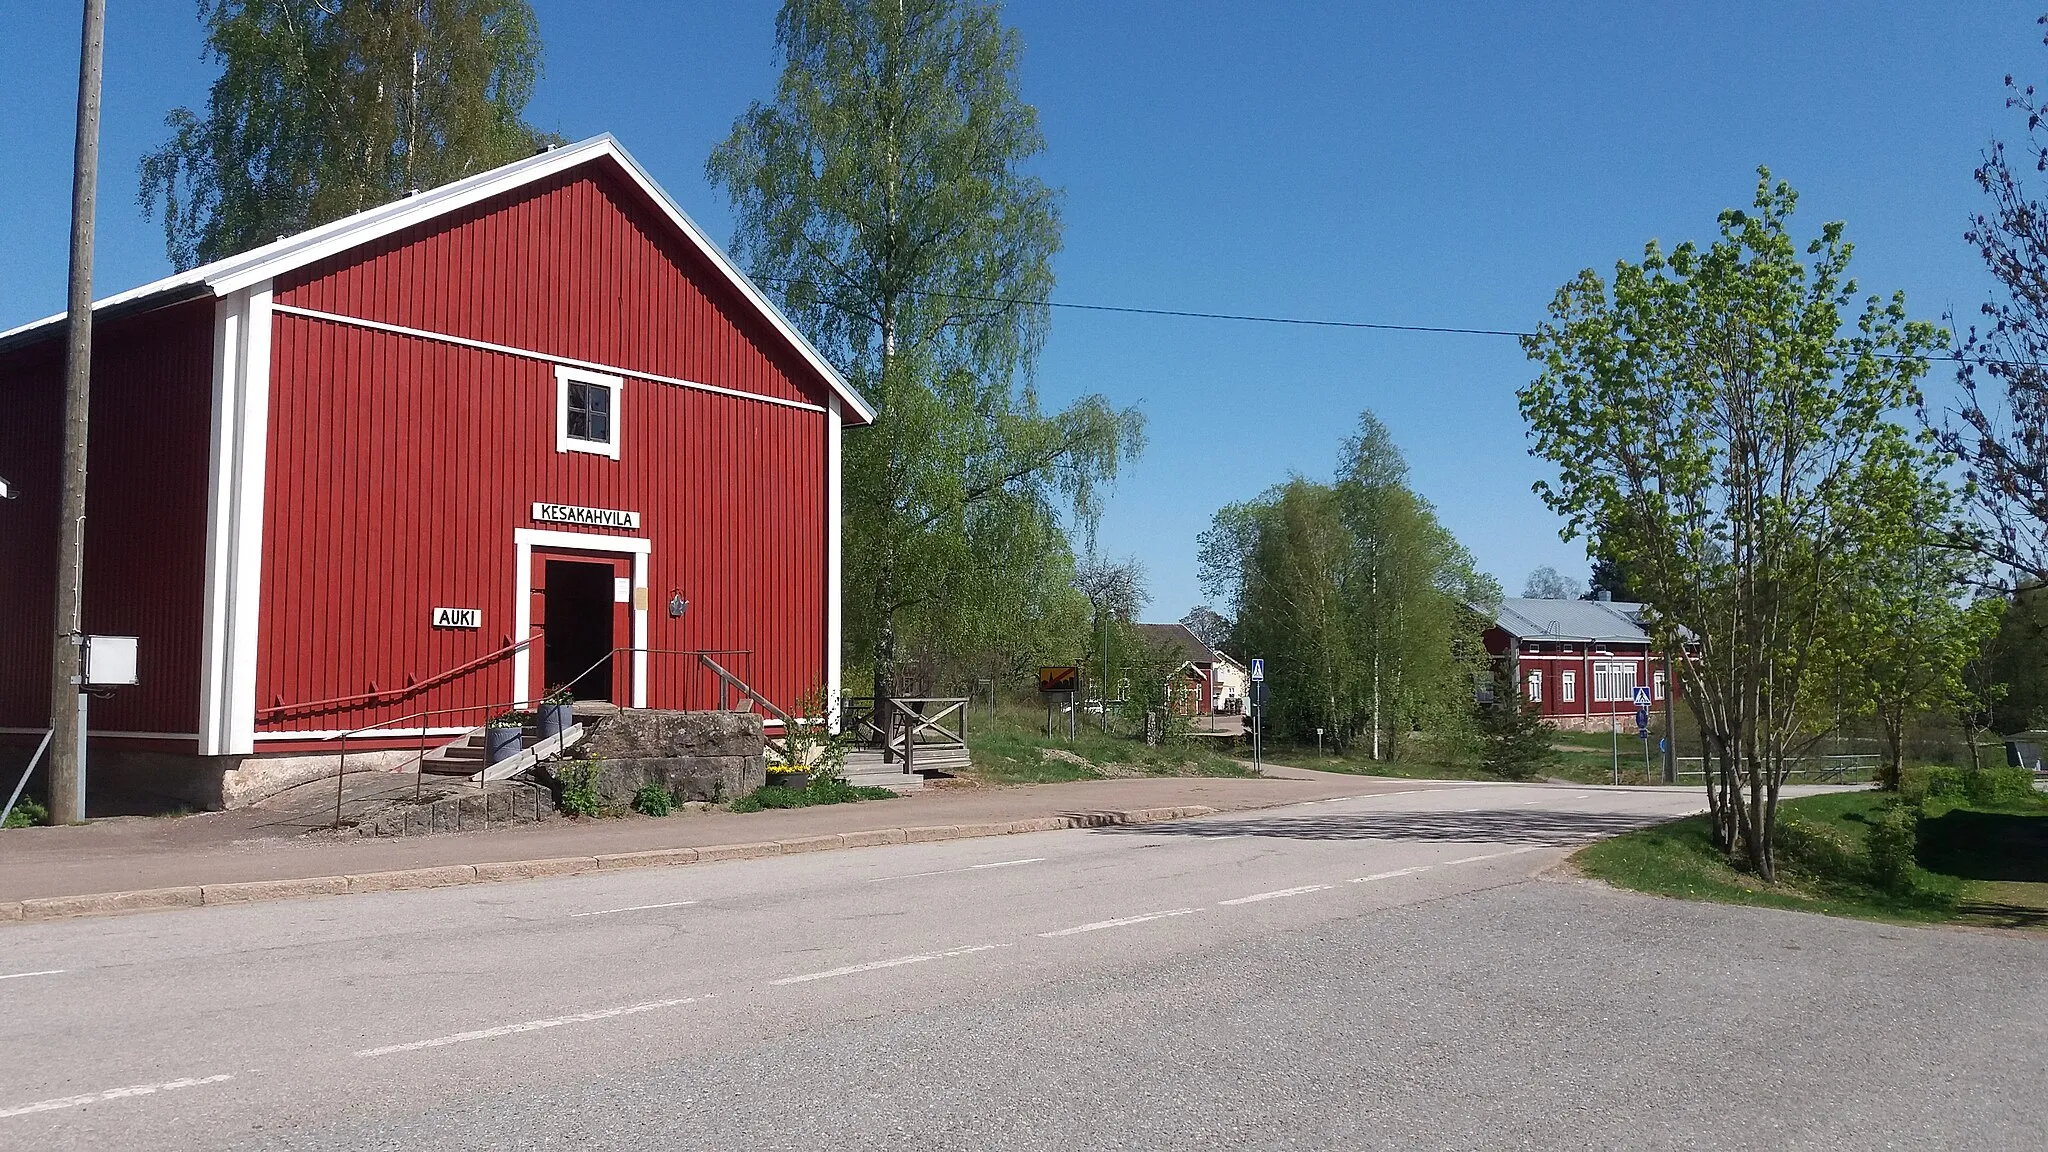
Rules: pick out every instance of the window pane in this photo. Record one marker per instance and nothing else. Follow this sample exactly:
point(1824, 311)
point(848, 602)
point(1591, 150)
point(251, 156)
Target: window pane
point(600, 425)
point(590, 412)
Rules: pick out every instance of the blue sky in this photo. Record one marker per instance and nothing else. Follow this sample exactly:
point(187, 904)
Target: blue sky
point(1440, 164)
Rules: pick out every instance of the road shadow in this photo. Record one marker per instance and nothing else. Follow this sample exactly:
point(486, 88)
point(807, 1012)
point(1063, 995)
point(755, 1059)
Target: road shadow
point(1506, 826)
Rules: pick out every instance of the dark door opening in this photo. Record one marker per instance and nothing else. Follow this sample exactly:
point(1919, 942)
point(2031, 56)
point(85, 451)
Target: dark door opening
point(578, 621)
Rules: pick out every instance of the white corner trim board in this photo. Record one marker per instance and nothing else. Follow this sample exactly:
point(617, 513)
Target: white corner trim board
point(238, 443)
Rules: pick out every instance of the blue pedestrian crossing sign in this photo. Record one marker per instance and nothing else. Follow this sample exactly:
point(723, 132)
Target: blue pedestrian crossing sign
point(1642, 696)
point(1258, 668)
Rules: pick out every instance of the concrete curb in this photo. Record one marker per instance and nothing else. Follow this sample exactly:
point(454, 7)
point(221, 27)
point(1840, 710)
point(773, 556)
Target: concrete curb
point(408, 879)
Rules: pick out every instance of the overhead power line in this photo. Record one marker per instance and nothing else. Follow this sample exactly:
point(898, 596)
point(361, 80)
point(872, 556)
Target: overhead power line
point(1312, 322)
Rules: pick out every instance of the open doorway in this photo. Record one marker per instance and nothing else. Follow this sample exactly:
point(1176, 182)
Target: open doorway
point(579, 618)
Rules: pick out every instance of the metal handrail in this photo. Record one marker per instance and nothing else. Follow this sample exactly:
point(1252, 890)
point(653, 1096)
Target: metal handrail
point(397, 694)
point(728, 680)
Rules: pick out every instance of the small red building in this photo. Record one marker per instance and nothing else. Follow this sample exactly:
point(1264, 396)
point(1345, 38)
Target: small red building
point(526, 429)
point(1579, 661)
point(1191, 686)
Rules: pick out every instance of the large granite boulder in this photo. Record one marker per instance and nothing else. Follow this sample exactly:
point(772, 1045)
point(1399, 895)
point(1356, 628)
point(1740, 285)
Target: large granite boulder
point(709, 756)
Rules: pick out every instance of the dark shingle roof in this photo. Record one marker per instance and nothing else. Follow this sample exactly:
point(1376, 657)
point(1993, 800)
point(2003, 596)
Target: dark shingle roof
point(1178, 638)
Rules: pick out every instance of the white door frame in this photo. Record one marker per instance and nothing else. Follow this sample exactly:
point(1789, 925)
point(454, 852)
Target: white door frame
point(524, 541)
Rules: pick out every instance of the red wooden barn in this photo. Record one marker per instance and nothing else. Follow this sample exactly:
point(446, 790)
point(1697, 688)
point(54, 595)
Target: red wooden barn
point(1579, 661)
point(338, 480)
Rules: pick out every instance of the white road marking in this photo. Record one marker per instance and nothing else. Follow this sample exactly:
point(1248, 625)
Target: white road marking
point(110, 1094)
point(872, 965)
point(969, 868)
point(531, 1026)
point(1118, 923)
point(1305, 888)
point(26, 975)
point(634, 908)
point(1391, 875)
point(1498, 855)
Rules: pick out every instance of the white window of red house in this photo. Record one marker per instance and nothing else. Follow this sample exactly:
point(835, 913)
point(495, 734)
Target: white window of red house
point(1568, 686)
point(1657, 685)
point(1536, 686)
point(586, 411)
point(1613, 682)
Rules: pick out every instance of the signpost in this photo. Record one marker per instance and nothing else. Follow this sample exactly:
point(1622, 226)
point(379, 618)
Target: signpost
point(1641, 697)
point(1055, 681)
point(1258, 714)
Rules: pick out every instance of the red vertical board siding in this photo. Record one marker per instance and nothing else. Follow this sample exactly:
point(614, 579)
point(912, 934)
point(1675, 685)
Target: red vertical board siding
point(399, 467)
point(145, 535)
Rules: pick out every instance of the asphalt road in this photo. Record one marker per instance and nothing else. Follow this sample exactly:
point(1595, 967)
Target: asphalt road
point(1386, 971)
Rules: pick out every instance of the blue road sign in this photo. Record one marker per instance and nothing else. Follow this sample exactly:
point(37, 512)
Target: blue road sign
point(1258, 668)
point(1642, 696)
point(1643, 722)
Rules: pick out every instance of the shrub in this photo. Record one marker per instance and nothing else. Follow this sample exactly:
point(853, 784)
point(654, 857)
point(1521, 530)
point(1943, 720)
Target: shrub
point(1812, 847)
point(1996, 786)
point(1513, 739)
point(27, 814)
point(1918, 785)
point(578, 789)
point(1890, 845)
point(652, 800)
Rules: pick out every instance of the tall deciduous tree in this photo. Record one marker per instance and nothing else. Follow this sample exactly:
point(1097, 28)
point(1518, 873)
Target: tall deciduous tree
point(1714, 416)
point(326, 109)
point(1909, 633)
point(1354, 594)
point(1547, 583)
point(2001, 432)
point(883, 193)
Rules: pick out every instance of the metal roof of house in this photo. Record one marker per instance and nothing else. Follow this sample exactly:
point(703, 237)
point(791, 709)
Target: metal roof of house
point(1613, 621)
point(287, 253)
point(1179, 638)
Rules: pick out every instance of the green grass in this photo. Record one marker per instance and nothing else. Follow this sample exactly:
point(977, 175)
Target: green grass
point(817, 792)
point(1975, 865)
point(1422, 757)
point(1017, 751)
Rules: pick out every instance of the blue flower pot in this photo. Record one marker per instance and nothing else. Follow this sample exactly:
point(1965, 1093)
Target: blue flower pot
point(502, 744)
point(556, 719)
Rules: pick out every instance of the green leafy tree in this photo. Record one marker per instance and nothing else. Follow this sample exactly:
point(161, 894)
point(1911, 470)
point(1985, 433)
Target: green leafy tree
point(1353, 593)
point(1910, 633)
point(883, 193)
point(1712, 415)
point(322, 110)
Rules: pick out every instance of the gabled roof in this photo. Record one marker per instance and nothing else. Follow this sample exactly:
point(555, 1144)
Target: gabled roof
point(1179, 639)
point(1584, 620)
point(240, 271)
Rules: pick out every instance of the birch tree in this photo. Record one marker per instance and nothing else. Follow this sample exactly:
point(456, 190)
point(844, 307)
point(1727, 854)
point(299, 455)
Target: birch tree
point(884, 195)
point(324, 108)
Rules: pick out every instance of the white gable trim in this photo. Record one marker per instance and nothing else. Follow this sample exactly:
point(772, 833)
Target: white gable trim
point(236, 273)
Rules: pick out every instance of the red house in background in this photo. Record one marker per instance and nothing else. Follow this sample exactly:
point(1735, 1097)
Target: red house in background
point(343, 478)
point(1579, 661)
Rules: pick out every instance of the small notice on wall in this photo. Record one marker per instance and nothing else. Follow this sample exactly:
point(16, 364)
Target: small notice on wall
point(458, 617)
point(592, 517)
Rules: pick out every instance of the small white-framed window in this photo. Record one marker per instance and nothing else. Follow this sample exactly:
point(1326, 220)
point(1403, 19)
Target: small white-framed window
point(586, 411)
point(1657, 686)
point(1536, 686)
point(1568, 686)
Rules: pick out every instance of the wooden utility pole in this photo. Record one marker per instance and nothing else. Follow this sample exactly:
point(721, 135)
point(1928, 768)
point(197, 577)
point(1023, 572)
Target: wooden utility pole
point(67, 744)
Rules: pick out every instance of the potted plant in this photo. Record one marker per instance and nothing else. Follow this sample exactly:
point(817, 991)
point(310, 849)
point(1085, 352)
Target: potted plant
point(789, 776)
point(557, 712)
point(504, 735)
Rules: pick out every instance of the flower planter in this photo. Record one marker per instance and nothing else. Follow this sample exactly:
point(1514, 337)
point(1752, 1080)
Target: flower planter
point(556, 719)
point(502, 744)
point(789, 779)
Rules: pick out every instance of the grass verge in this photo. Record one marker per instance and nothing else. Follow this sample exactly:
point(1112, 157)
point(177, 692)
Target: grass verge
point(1984, 865)
point(825, 791)
point(1017, 751)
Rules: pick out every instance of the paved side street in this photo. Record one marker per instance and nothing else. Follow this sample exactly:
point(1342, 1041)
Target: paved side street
point(1405, 970)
